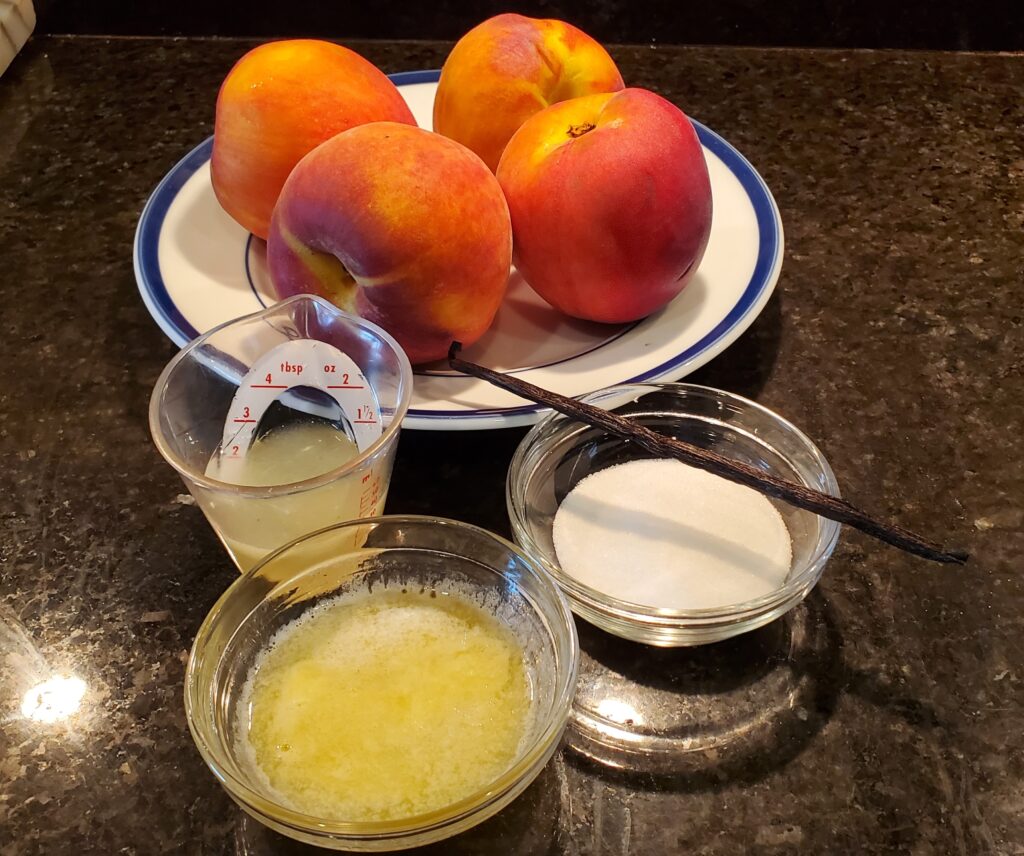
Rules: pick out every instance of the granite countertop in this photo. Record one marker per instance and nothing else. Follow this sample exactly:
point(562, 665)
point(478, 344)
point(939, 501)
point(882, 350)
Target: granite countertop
point(895, 340)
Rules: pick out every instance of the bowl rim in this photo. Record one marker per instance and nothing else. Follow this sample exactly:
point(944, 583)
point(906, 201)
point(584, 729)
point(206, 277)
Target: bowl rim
point(525, 760)
point(578, 591)
point(193, 476)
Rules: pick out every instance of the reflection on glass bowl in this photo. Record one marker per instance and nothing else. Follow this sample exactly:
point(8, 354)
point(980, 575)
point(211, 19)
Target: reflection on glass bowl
point(730, 709)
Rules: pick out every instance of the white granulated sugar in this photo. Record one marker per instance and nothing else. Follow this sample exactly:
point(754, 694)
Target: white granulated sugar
point(664, 534)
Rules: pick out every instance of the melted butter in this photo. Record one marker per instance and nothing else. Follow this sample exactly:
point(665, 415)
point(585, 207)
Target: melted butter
point(385, 705)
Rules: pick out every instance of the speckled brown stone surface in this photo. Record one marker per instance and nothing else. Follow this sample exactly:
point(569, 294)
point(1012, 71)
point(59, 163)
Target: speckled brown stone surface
point(892, 717)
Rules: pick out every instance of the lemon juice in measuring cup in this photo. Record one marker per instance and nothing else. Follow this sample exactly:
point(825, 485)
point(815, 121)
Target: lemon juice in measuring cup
point(283, 422)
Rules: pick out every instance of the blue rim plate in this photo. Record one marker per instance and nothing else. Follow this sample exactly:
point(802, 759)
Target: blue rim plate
point(196, 268)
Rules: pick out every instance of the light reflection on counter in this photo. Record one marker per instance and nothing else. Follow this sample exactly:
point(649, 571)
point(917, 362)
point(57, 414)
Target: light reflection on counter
point(54, 699)
point(32, 689)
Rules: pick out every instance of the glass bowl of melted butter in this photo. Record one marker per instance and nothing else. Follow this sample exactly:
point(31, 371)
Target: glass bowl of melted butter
point(383, 683)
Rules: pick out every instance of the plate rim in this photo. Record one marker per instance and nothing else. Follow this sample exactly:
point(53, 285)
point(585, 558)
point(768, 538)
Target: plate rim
point(756, 293)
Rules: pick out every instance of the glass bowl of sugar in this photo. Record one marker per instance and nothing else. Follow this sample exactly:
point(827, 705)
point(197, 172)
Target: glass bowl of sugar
point(660, 552)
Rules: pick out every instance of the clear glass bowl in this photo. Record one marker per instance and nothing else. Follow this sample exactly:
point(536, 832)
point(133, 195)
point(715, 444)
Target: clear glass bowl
point(559, 452)
point(391, 552)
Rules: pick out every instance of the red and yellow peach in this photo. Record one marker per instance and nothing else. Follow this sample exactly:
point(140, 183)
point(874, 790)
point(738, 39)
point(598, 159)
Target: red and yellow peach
point(610, 202)
point(508, 68)
point(401, 226)
point(278, 103)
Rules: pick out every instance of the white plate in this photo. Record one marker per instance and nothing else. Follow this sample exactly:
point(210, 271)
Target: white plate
point(197, 268)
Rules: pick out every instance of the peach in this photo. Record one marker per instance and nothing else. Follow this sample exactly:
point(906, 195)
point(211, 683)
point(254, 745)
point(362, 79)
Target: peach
point(278, 103)
point(610, 202)
point(401, 226)
point(508, 68)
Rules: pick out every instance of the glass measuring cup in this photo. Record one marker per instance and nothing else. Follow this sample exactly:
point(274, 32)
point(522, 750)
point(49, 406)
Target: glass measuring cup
point(220, 391)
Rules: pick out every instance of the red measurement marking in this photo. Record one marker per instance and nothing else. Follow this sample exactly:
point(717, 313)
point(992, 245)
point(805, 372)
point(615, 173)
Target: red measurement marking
point(243, 420)
point(269, 386)
point(364, 421)
point(342, 386)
